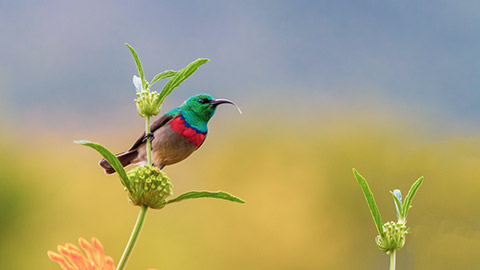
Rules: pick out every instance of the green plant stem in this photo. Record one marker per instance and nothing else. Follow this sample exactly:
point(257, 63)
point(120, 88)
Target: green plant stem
point(392, 260)
point(149, 147)
point(133, 237)
point(143, 209)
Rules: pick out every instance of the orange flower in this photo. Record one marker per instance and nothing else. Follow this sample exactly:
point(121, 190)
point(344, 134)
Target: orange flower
point(72, 258)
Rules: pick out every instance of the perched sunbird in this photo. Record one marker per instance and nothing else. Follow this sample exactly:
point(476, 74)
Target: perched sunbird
point(175, 135)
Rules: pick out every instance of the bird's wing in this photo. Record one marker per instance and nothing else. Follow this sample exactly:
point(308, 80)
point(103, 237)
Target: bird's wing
point(154, 126)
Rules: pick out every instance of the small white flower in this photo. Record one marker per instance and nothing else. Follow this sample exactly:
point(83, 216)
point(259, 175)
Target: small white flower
point(138, 83)
point(397, 194)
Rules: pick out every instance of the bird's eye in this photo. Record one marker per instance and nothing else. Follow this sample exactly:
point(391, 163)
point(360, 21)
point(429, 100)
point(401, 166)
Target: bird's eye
point(203, 100)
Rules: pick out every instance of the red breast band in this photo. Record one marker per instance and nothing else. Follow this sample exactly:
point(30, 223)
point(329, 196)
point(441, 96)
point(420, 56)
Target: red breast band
point(190, 133)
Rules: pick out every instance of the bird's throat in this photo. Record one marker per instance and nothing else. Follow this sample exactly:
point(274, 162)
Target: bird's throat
point(182, 128)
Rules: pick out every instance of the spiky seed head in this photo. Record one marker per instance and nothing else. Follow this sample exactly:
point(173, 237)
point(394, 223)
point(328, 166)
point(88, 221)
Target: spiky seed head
point(394, 237)
point(148, 185)
point(147, 104)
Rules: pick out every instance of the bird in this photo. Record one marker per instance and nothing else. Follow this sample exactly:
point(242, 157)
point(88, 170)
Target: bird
point(174, 136)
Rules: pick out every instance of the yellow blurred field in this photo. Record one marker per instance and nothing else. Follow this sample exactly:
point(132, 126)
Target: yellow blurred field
point(304, 208)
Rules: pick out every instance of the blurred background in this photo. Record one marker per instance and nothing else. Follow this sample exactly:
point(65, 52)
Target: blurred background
point(390, 88)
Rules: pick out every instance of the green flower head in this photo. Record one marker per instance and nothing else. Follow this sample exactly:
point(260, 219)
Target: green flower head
point(394, 237)
point(148, 185)
point(147, 102)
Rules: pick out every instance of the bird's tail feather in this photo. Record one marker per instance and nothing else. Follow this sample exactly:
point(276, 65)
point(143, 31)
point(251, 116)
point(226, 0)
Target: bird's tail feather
point(125, 158)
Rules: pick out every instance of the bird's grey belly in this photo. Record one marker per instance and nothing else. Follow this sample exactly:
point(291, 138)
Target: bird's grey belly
point(169, 147)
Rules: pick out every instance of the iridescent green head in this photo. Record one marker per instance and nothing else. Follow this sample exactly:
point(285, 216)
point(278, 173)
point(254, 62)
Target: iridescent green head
point(198, 109)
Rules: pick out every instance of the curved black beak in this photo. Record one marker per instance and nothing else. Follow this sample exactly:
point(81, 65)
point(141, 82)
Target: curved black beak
point(216, 102)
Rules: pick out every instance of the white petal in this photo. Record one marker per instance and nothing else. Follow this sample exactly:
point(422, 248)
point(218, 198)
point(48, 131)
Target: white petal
point(138, 83)
point(397, 194)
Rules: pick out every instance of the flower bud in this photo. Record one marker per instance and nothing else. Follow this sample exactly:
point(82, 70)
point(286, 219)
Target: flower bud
point(148, 185)
point(147, 104)
point(394, 237)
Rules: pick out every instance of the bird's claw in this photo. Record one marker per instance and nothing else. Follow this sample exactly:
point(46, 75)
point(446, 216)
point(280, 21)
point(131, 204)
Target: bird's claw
point(148, 136)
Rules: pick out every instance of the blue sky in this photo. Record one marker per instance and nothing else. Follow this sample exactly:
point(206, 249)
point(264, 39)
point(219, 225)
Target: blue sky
point(70, 56)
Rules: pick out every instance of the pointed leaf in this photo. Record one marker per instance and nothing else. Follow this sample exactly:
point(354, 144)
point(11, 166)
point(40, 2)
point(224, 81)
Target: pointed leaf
point(179, 77)
point(163, 75)
point(411, 193)
point(371, 202)
point(111, 158)
point(139, 66)
point(397, 197)
point(206, 194)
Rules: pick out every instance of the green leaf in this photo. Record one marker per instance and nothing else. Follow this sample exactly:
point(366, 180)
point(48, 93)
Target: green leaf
point(206, 194)
point(139, 66)
point(397, 197)
point(111, 158)
point(163, 75)
point(377, 218)
point(179, 77)
point(411, 193)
